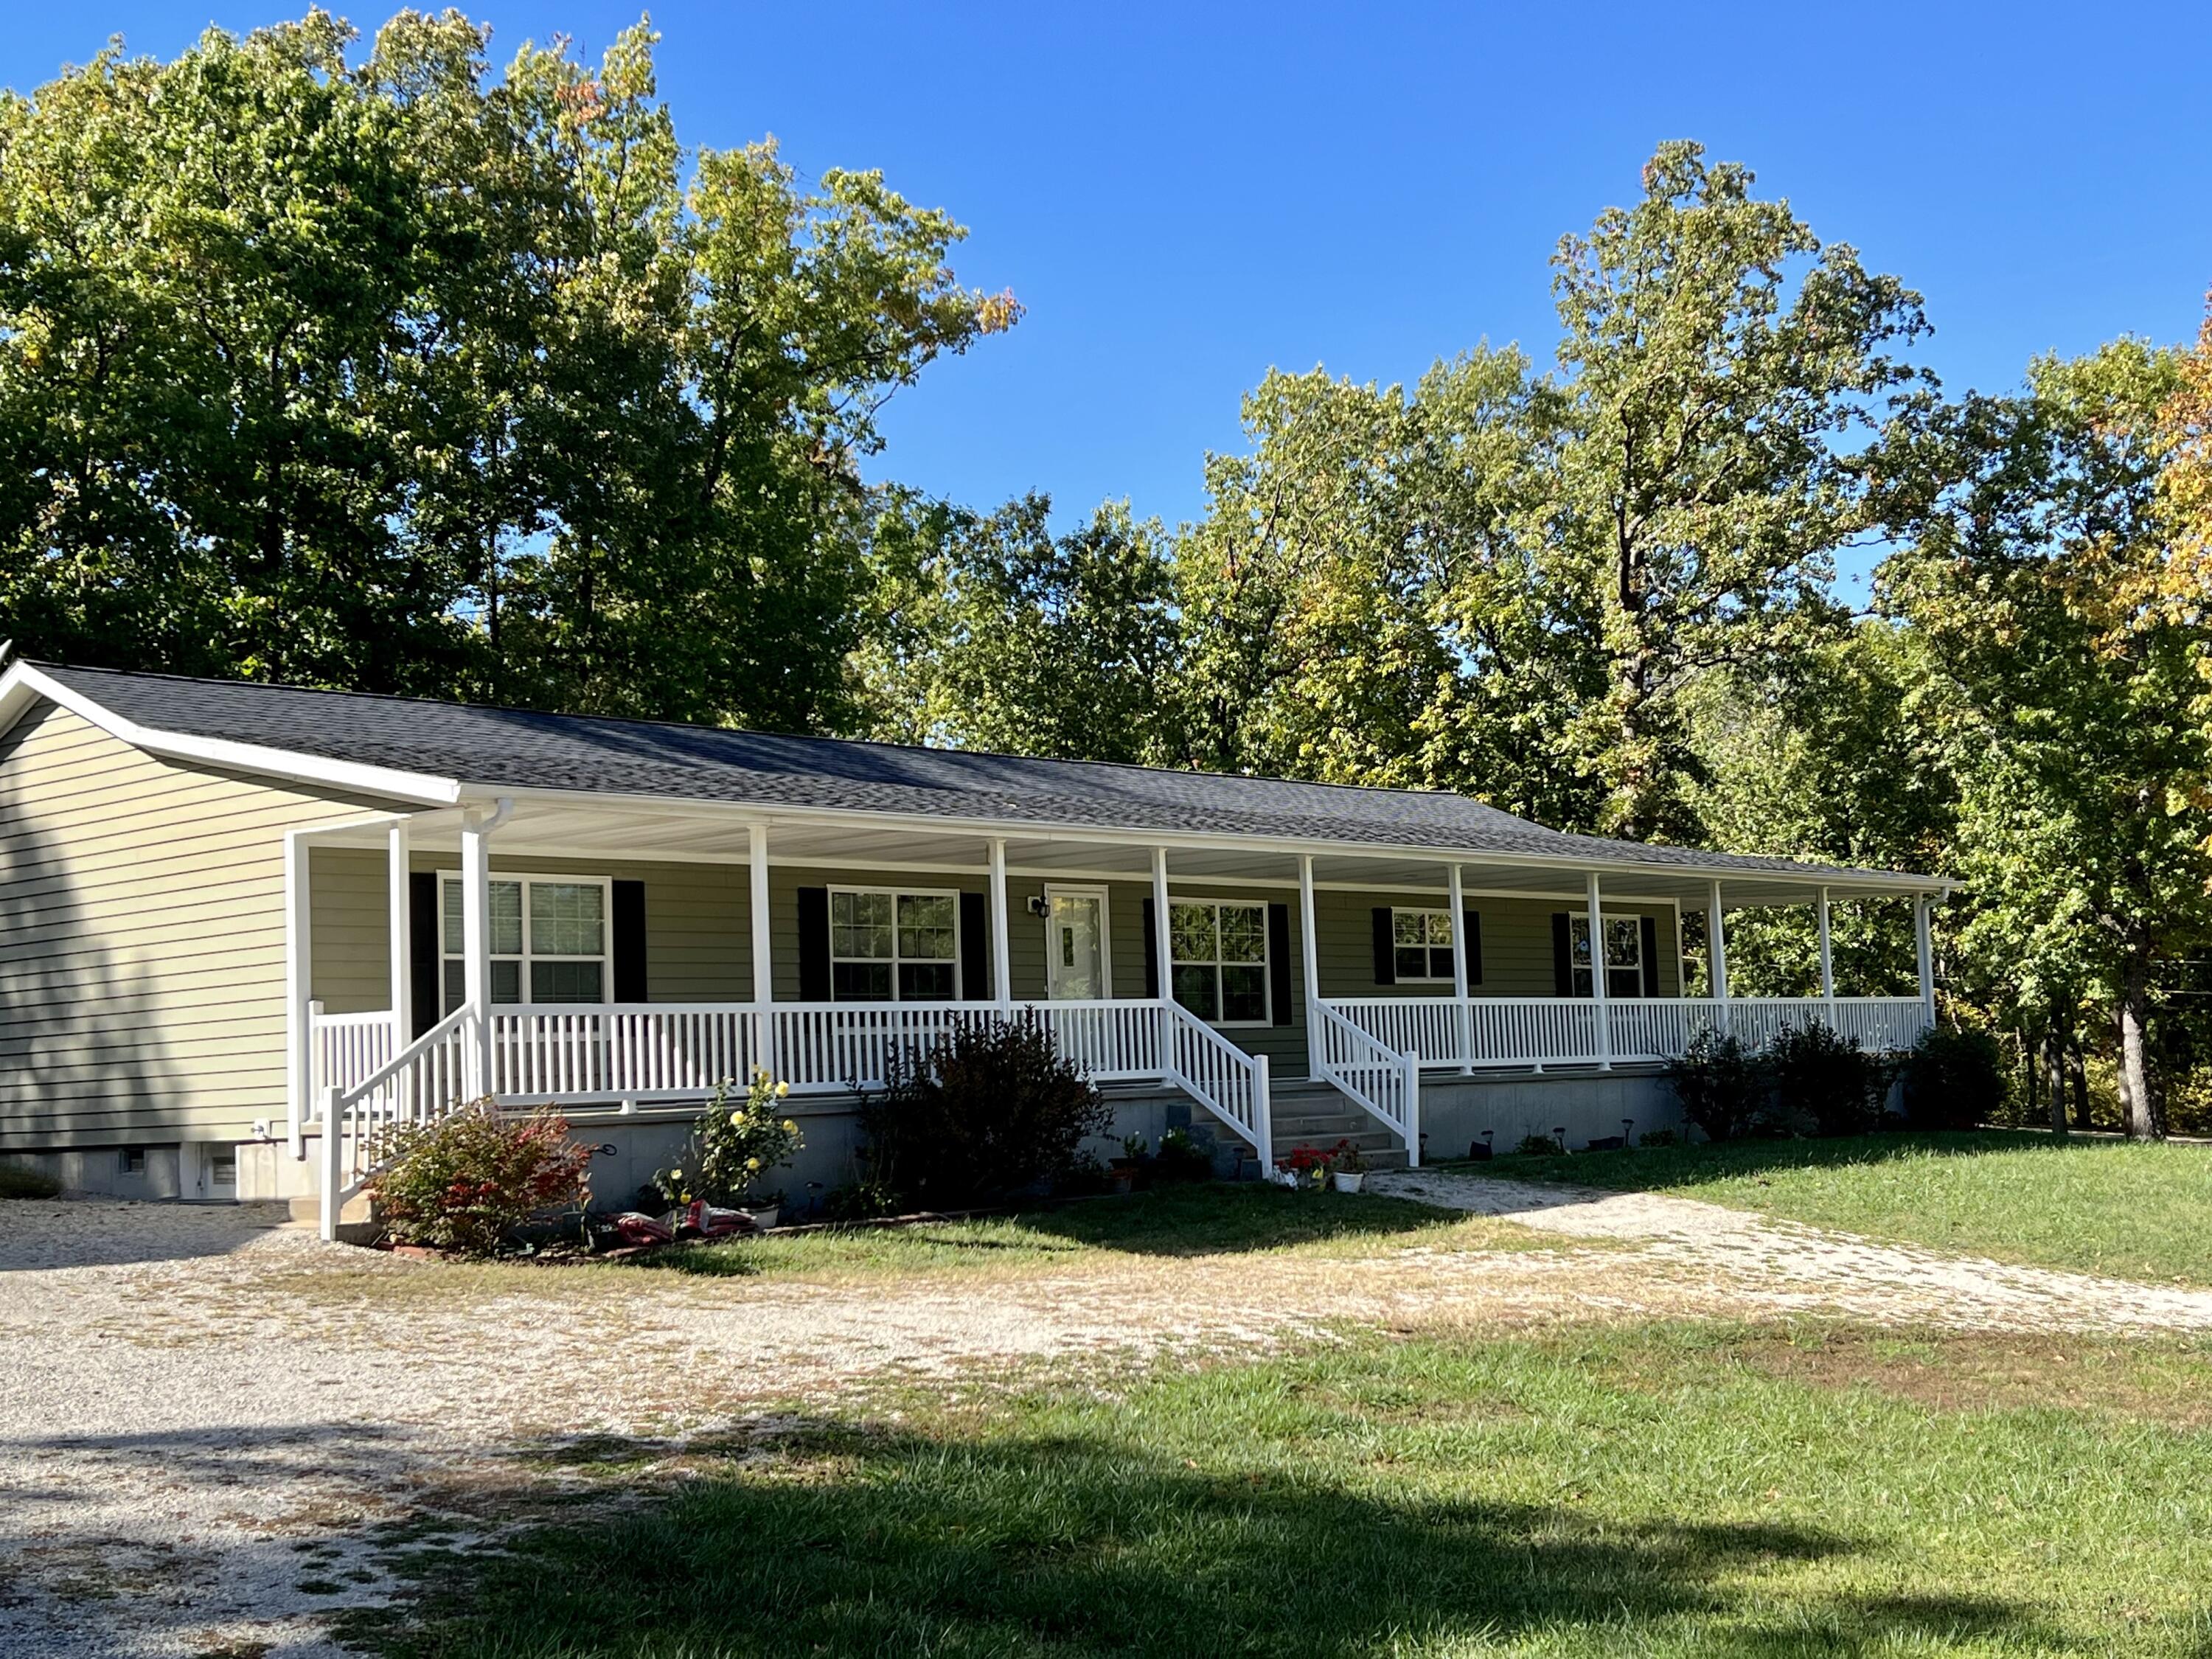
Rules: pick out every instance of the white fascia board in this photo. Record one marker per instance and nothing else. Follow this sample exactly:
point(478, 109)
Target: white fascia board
point(1861, 884)
point(23, 684)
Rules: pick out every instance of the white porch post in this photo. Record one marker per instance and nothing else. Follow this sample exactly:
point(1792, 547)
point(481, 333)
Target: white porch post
point(1162, 955)
point(298, 1021)
point(1309, 955)
point(1924, 943)
point(1601, 1015)
point(1716, 956)
point(764, 968)
point(1463, 1016)
point(476, 955)
point(1002, 971)
point(1827, 962)
point(401, 929)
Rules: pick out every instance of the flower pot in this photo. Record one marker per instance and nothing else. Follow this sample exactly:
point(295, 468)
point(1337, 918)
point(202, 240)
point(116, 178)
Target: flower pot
point(764, 1218)
point(1122, 1181)
point(1347, 1180)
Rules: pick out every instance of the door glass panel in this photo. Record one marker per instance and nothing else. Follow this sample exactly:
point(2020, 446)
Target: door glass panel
point(1075, 960)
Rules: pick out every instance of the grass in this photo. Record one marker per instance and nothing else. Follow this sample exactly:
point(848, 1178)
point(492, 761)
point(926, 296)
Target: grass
point(2133, 1210)
point(1656, 1490)
point(1210, 1219)
point(20, 1181)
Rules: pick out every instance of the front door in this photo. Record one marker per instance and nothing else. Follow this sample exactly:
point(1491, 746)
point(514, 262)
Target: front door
point(1075, 944)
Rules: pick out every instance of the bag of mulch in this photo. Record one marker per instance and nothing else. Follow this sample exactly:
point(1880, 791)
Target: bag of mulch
point(636, 1228)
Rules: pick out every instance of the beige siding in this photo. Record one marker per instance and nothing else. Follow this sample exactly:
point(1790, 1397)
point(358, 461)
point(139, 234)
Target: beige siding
point(142, 939)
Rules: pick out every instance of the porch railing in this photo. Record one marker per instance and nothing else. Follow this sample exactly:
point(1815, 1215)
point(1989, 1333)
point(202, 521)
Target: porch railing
point(1217, 1073)
point(421, 1081)
point(1383, 1080)
point(1557, 1030)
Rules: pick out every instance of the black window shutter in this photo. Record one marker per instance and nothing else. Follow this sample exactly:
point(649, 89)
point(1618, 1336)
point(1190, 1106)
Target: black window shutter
point(1562, 956)
point(814, 944)
point(1651, 957)
point(1471, 932)
point(1151, 953)
point(1385, 948)
point(628, 940)
point(1278, 962)
point(974, 948)
point(424, 956)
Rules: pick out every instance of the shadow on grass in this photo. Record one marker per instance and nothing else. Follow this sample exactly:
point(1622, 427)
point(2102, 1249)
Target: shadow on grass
point(1209, 1218)
point(843, 1541)
point(1644, 1167)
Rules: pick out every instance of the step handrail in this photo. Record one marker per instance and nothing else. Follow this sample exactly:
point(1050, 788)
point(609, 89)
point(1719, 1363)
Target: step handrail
point(340, 1105)
point(1220, 1076)
point(1372, 1075)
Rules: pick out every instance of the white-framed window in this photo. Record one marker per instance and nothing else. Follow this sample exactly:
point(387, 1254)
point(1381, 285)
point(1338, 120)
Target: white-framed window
point(1220, 960)
point(894, 944)
point(548, 938)
point(1421, 947)
point(1624, 956)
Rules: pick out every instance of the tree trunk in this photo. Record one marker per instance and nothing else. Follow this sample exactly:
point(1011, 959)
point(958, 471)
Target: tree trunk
point(2054, 1072)
point(2138, 1095)
point(2077, 1074)
point(2032, 1069)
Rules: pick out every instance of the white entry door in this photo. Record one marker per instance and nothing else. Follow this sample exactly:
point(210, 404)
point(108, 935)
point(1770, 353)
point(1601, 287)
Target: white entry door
point(1075, 944)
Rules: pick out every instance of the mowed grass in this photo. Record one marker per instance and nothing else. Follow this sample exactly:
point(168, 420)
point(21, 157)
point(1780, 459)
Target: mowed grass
point(1208, 1219)
point(1654, 1492)
point(2133, 1210)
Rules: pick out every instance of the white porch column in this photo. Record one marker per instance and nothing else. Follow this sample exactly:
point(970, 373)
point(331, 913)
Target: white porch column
point(764, 966)
point(1161, 954)
point(1716, 955)
point(1828, 961)
point(1002, 971)
point(1309, 954)
point(475, 954)
point(1464, 1019)
point(401, 929)
point(1924, 942)
point(1601, 1015)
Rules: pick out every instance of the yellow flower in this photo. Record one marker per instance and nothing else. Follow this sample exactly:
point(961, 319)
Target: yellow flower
point(782, 1090)
point(789, 1128)
point(736, 1120)
point(752, 1163)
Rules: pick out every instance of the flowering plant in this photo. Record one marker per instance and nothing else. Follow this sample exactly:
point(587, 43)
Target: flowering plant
point(735, 1148)
point(461, 1183)
point(1311, 1166)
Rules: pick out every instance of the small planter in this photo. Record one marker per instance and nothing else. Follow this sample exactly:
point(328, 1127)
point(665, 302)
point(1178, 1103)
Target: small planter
point(1347, 1180)
point(764, 1218)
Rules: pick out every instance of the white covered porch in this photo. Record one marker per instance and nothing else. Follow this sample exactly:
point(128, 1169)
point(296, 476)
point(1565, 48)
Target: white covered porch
point(1319, 1019)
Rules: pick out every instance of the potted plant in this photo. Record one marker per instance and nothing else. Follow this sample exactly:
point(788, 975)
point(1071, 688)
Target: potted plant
point(1347, 1169)
point(1121, 1172)
point(733, 1151)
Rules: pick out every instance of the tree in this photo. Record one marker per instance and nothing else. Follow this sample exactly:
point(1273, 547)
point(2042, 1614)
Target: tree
point(398, 375)
point(2058, 689)
point(993, 633)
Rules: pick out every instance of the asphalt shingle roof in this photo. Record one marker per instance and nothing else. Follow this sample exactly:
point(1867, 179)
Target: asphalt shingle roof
point(494, 747)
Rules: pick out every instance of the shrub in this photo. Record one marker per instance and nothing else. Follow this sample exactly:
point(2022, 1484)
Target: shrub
point(1182, 1158)
point(734, 1149)
point(990, 1109)
point(464, 1182)
point(1722, 1088)
point(1827, 1080)
point(1541, 1147)
point(1954, 1079)
point(20, 1180)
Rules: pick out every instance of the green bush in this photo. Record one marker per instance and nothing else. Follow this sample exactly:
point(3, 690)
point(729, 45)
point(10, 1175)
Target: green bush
point(1954, 1079)
point(20, 1180)
point(1180, 1159)
point(991, 1110)
point(1825, 1081)
point(1723, 1089)
point(464, 1182)
point(735, 1149)
point(1541, 1147)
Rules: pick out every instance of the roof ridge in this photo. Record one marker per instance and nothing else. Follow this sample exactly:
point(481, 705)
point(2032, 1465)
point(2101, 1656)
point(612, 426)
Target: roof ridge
point(801, 736)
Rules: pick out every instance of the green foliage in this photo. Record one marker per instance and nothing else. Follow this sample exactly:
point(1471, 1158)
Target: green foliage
point(991, 1110)
point(464, 1181)
point(391, 372)
point(1826, 1080)
point(735, 1150)
point(1180, 1159)
point(1720, 1085)
point(1954, 1079)
point(20, 1181)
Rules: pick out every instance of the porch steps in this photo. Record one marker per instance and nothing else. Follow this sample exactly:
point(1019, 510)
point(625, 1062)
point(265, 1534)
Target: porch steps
point(1316, 1115)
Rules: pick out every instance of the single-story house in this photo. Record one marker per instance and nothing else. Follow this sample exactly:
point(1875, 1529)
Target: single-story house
point(243, 925)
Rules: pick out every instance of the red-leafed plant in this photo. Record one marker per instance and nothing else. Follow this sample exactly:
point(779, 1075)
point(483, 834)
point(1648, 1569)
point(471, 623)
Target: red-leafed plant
point(464, 1182)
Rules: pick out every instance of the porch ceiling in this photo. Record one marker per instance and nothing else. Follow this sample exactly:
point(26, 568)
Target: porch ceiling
point(580, 828)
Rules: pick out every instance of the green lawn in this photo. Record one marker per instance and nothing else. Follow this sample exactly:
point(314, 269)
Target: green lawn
point(1653, 1492)
point(1210, 1219)
point(2141, 1211)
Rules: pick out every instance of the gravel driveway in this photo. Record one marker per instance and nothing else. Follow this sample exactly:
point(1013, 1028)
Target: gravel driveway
point(204, 1414)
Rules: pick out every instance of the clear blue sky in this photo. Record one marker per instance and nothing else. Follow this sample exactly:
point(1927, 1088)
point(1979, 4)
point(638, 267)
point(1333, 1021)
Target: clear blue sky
point(1184, 195)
